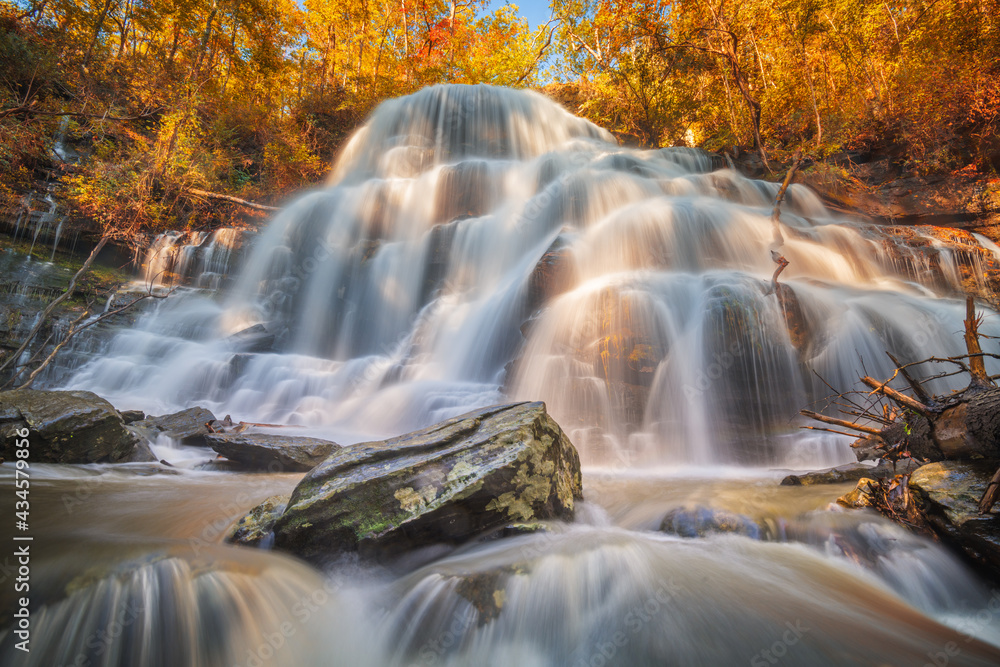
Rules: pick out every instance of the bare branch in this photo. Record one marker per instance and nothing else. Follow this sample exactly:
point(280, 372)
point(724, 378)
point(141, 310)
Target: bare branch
point(53, 304)
point(839, 422)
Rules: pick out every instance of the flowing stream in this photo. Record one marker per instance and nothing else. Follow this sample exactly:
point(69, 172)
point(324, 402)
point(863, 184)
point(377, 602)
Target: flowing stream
point(476, 245)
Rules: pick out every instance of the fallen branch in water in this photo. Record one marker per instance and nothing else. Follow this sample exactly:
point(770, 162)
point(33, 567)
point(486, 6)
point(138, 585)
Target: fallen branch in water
point(779, 240)
point(962, 425)
point(782, 263)
point(839, 422)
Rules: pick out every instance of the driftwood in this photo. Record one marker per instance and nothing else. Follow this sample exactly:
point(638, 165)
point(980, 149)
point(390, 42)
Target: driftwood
point(778, 239)
point(231, 199)
point(962, 425)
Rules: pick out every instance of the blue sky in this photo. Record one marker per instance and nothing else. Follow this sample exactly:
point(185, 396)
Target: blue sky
point(536, 11)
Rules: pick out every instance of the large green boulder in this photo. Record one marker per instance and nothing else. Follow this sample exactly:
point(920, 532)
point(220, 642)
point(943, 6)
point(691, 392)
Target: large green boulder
point(454, 481)
point(64, 427)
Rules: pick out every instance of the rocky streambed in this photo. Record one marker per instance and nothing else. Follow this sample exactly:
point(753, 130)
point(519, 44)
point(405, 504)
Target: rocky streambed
point(477, 536)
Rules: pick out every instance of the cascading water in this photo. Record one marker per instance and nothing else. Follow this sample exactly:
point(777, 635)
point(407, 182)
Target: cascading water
point(198, 259)
point(477, 244)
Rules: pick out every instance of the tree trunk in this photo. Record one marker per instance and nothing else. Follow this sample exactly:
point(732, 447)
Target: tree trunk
point(97, 31)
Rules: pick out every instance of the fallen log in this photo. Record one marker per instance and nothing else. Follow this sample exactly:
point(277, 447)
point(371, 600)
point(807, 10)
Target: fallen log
point(233, 200)
point(963, 425)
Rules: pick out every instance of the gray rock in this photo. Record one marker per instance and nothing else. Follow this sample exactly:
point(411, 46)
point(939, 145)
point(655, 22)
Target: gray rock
point(851, 472)
point(273, 453)
point(187, 426)
point(252, 339)
point(142, 453)
point(132, 416)
point(947, 494)
point(701, 521)
point(442, 485)
point(65, 427)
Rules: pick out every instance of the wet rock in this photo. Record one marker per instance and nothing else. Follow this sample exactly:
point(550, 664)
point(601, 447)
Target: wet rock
point(142, 453)
point(65, 427)
point(442, 485)
point(554, 274)
point(257, 526)
point(187, 426)
point(799, 332)
point(467, 189)
point(851, 472)
point(860, 496)
point(947, 494)
point(273, 453)
point(701, 521)
point(252, 339)
point(132, 416)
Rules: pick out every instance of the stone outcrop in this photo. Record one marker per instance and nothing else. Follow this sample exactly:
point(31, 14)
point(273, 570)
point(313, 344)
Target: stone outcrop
point(271, 453)
point(66, 427)
point(188, 427)
point(452, 482)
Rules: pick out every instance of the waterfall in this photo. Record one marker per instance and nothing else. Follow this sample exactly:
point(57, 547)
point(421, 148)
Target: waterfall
point(475, 244)
point(198, 259)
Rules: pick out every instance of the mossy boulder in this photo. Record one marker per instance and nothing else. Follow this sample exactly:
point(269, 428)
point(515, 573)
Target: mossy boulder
point(65, 427)
point(449, 483)
point(272, 453)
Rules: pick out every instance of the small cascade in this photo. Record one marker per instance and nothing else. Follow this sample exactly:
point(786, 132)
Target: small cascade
point(195, 259)
point(55, 241)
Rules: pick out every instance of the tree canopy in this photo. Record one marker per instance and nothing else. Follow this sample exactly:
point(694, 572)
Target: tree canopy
point(253, 98)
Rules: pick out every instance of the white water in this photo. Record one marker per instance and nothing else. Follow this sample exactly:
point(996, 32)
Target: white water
point(399, 294)
point(127, 570)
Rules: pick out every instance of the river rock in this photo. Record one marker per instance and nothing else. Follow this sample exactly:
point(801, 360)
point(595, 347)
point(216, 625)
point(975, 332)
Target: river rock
point(454, 481)
point(142, 453)
point(701, 521)
point(851, 472)
point(65, 427)
point(273, 453)
point(132, 416)
point(252, 339)
point(187, 426)
point(947, 496)
point(256, 526)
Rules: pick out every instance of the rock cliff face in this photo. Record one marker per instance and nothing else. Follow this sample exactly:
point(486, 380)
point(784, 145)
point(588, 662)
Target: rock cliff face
point(459, 479)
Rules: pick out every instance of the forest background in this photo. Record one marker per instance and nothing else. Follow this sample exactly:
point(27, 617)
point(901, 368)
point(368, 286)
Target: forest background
point(252, 98)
